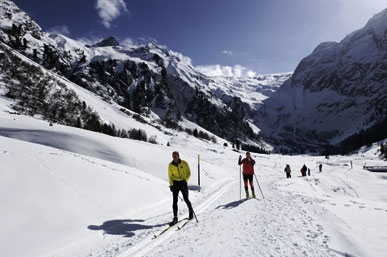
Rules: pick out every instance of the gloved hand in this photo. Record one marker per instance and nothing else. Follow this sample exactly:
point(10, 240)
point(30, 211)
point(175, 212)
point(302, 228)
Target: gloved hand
point(240, 157)
point(171, 188)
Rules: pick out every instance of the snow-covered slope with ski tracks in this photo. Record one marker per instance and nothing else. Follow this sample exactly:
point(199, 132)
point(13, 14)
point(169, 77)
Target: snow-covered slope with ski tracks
point(72, 192)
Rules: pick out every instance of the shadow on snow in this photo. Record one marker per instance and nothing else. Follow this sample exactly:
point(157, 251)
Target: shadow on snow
point(231, 204)
point(125, 227)
point(193, 188)
point(64, 141)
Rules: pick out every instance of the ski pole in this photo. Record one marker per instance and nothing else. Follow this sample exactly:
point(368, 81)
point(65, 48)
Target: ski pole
point(192, 210)
point(240, 183)
point(259, 185)
point(195, 215)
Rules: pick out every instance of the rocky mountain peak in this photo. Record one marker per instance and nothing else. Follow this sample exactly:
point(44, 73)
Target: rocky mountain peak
point(110, 41)
point(380, 17)
point(12, 15)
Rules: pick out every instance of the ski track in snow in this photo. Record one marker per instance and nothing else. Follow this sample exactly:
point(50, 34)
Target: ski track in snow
point(274, 226)
point(284, 224)
point(142, 241)
point(149, 244)
point(340, 212)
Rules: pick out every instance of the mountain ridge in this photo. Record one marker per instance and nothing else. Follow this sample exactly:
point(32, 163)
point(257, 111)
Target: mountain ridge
point(335, 92)
point(151, 80)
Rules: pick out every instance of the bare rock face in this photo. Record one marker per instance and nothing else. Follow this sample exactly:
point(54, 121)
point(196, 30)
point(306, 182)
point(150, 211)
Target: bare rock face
point(110, 41)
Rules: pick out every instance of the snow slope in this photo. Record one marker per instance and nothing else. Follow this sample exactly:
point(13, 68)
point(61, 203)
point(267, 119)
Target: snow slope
point(72, 192)
point(56, 181)
point(339, 212)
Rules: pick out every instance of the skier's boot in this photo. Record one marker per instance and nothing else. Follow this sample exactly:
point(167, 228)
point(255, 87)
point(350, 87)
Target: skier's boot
point(174, 221)
point(253, 193)
point(190, 215)
point(247, 194)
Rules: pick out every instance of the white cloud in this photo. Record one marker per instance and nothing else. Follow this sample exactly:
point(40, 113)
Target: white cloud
point(227, 52)
point(225, 71)
point(146, 39)
point(142, 41)
point(63, 30)
point(128, 41)
point(184, 59)
point(109, 10)
point(251, 73)
point(89, 40)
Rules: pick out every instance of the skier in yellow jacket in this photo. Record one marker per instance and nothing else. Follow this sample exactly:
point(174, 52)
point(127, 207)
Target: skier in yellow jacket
point(179, 174)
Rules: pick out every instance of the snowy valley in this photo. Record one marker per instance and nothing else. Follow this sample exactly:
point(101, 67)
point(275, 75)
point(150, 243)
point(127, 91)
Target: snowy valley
point(87, 133)
point(71, 192)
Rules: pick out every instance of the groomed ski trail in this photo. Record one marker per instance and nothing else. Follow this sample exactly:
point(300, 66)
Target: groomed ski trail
point(150, 242)
point(278, 225)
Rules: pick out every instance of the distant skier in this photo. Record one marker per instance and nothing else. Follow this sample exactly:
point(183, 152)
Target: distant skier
point(320, 167)
point(288, 171)
point(179, 174)
point(248, 172)
point(303, 170)
point(308, 172)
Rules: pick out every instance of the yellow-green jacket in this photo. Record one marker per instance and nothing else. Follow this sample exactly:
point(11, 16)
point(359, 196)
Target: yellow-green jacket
point(178, 172)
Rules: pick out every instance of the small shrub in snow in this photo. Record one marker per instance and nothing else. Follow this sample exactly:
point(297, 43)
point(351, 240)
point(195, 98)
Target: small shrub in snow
point(139, 118)
point(189, 131)
point(254, 149)
point(138, 134)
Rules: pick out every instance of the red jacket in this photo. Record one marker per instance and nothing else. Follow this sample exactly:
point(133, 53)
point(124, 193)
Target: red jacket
point(248, 166)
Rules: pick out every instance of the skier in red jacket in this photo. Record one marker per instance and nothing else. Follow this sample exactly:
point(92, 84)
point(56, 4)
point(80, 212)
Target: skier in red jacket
point(248, 172)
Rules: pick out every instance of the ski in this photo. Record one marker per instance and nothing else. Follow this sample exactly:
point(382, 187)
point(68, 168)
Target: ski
point(162, 232)
point(246, 199)
point(185, 223)
point(165, 230)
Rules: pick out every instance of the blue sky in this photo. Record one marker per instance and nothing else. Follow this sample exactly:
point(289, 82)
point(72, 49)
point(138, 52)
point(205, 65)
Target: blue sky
point(260, 36)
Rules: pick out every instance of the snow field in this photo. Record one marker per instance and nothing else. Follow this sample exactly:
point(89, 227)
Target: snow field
point(71, 192)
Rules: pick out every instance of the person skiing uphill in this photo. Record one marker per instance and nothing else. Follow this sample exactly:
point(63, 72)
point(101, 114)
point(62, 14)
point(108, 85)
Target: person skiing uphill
point(248, 172)
point(179, 174)
point(288, 171)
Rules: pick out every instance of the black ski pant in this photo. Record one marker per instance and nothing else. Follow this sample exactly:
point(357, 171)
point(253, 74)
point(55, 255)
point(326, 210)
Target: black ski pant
point(177, 187)
point(248, 177)
point(288, 175)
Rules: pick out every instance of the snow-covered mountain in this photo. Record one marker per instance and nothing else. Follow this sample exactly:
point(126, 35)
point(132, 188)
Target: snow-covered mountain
point(150, 80)
point(336, 91)
point(251, 90)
